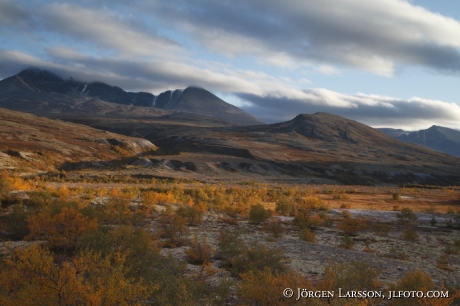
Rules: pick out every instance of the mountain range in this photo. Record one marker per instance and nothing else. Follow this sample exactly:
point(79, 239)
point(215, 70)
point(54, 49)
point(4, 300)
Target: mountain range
point(202, 137)
point(33, 83)
point(438, 138)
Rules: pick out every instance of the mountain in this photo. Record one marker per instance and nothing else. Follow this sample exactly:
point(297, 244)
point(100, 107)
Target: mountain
point(35, 80)
point(436, 137)
point(309, 148)
point(202, 102)
point(31, 84)
point(393, 132)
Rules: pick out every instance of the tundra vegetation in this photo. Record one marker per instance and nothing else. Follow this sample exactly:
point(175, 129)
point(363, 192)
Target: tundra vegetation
point(185, 243)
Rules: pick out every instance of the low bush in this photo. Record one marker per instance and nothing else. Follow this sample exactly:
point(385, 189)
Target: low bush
point(258, 214)
point(409, 233)
point(193, 215)
point(407, 217)
point(257, 258)
point(200, 252)
point(351, 226)
point(265, 287)
point(347, 243)
point(275, 228)
point(173, 228)
point(419, 281)
point(308, 235)
point(284, 207)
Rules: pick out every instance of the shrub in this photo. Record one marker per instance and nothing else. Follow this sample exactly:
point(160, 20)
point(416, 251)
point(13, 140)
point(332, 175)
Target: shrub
point(419, 281)
point(31, 277)
point(347, 243)
point(382, 229)
point(396, 254)
point(409, 233)
point(221, 292)
point(191, 214)
point(173, 228)
point(352, 276)
point(351, 226)
point(284, 207)
point(407, 217)
point(5, 188)
point(257, 258)
point(396, 196)
point(117, 211)
point(275, 228)
point(61, 230)
point(16, 222)
point(342, 196)
point(265, 287)
point(258, 214)
point(308, 235)
point(38, 199)
point(230, 245)
point(305, 219)
point(200, 251)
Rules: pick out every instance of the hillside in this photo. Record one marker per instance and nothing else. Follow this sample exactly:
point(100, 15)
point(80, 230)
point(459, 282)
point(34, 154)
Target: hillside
point(42, 143)
point(309, 148)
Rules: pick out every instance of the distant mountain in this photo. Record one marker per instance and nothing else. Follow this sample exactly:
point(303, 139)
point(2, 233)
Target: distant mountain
point(436, 137)
point(192, 100)
point(35, 80)
point(202, 102)
point(393, 132)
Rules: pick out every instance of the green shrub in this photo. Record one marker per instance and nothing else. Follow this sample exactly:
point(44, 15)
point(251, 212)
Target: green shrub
point(396, 254)
point(409, 233)
point(257, 258)
point(173, 228)
point(200, 252)
point(258, 214)
point(347, 243)
point(350, 276)
point(275, 228)
point(16, 222)
point(230, 245)
point(284, 207)
point(308, 235)
point(191, 214)
point(407, 217)
point(396, 196)
point(4, 189)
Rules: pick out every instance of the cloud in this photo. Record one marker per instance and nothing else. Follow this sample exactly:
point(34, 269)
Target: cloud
point(328, 70)
point(107, 29)
point(12, 15)
point(373, 110)
point(372, 36)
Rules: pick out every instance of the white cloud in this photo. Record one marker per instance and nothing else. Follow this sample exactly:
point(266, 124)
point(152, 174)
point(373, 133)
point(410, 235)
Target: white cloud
point(107, 29)
point(328, 70)
point(368, 35)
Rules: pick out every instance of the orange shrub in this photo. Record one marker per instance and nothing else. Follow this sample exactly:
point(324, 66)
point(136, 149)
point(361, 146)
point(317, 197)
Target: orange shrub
point(62, 230)
point(351, 226)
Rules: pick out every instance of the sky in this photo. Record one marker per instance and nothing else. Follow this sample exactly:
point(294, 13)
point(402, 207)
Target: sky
point(386, 63)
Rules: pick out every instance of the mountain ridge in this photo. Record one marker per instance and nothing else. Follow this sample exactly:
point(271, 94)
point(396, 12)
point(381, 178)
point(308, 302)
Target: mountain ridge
point(192, 99)
point(438, 138)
